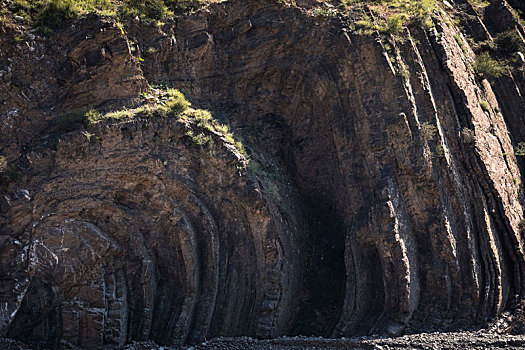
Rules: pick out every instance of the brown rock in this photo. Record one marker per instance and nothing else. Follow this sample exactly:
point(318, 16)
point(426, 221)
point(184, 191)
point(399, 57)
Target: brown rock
point(387, 199)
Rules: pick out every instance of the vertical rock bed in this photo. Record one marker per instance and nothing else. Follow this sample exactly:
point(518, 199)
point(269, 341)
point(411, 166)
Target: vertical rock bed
point(379, 192)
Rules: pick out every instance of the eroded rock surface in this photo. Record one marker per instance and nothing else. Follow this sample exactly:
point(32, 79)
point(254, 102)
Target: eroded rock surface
point(143, 235)
point(387, 200)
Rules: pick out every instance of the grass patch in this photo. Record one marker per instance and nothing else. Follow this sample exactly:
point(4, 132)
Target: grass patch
point(395, 23)
point(92, 138)
point(157, 10)
point(49, 15)
point(146, 9)
point(23, 8)
point(392, 15)
point(170, 103)
point(93, 117)
point(204, 120)
point(366, 25)
point(173, 104)
point(200, 139)
point(324, 12)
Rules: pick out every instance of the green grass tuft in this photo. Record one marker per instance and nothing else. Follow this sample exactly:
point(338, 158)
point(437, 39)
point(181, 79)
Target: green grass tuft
point(49, 15)
point(484, 105)
point(175, 102)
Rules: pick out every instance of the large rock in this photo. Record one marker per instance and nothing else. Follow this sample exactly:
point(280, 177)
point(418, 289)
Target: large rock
point(144, 235)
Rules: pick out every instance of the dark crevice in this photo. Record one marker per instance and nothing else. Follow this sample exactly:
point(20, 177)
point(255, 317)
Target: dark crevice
point(325, 274)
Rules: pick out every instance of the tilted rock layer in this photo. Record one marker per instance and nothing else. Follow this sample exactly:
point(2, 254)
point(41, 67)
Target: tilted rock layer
point(385, 200)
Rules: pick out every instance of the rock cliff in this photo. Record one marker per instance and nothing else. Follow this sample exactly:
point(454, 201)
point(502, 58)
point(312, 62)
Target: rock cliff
point(380, 193)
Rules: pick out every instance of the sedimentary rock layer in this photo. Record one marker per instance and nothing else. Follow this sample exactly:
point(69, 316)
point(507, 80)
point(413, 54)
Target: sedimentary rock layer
point(390, 200)
point(144, 235)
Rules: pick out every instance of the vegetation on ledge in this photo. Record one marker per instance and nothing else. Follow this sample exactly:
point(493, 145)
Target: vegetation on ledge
point(49, 15)
point(171, 103)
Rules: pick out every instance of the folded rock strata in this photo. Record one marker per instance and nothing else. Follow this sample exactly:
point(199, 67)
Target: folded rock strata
point(390, 200)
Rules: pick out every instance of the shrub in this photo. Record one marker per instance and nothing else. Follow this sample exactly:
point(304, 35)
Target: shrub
point(222, 128)
point(519, 150)
point(484, 105)
point(419, 11)
point(54, 13)
point(488, 67)
point(202, 116)
point(509, 42)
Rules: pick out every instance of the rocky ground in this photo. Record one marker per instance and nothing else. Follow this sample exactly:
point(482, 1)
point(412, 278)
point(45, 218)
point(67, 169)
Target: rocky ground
point(454, 340)
point(462, 340)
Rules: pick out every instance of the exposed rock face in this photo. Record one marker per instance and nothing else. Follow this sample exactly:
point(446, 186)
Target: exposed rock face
point(391, 200)
point(144, 236)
